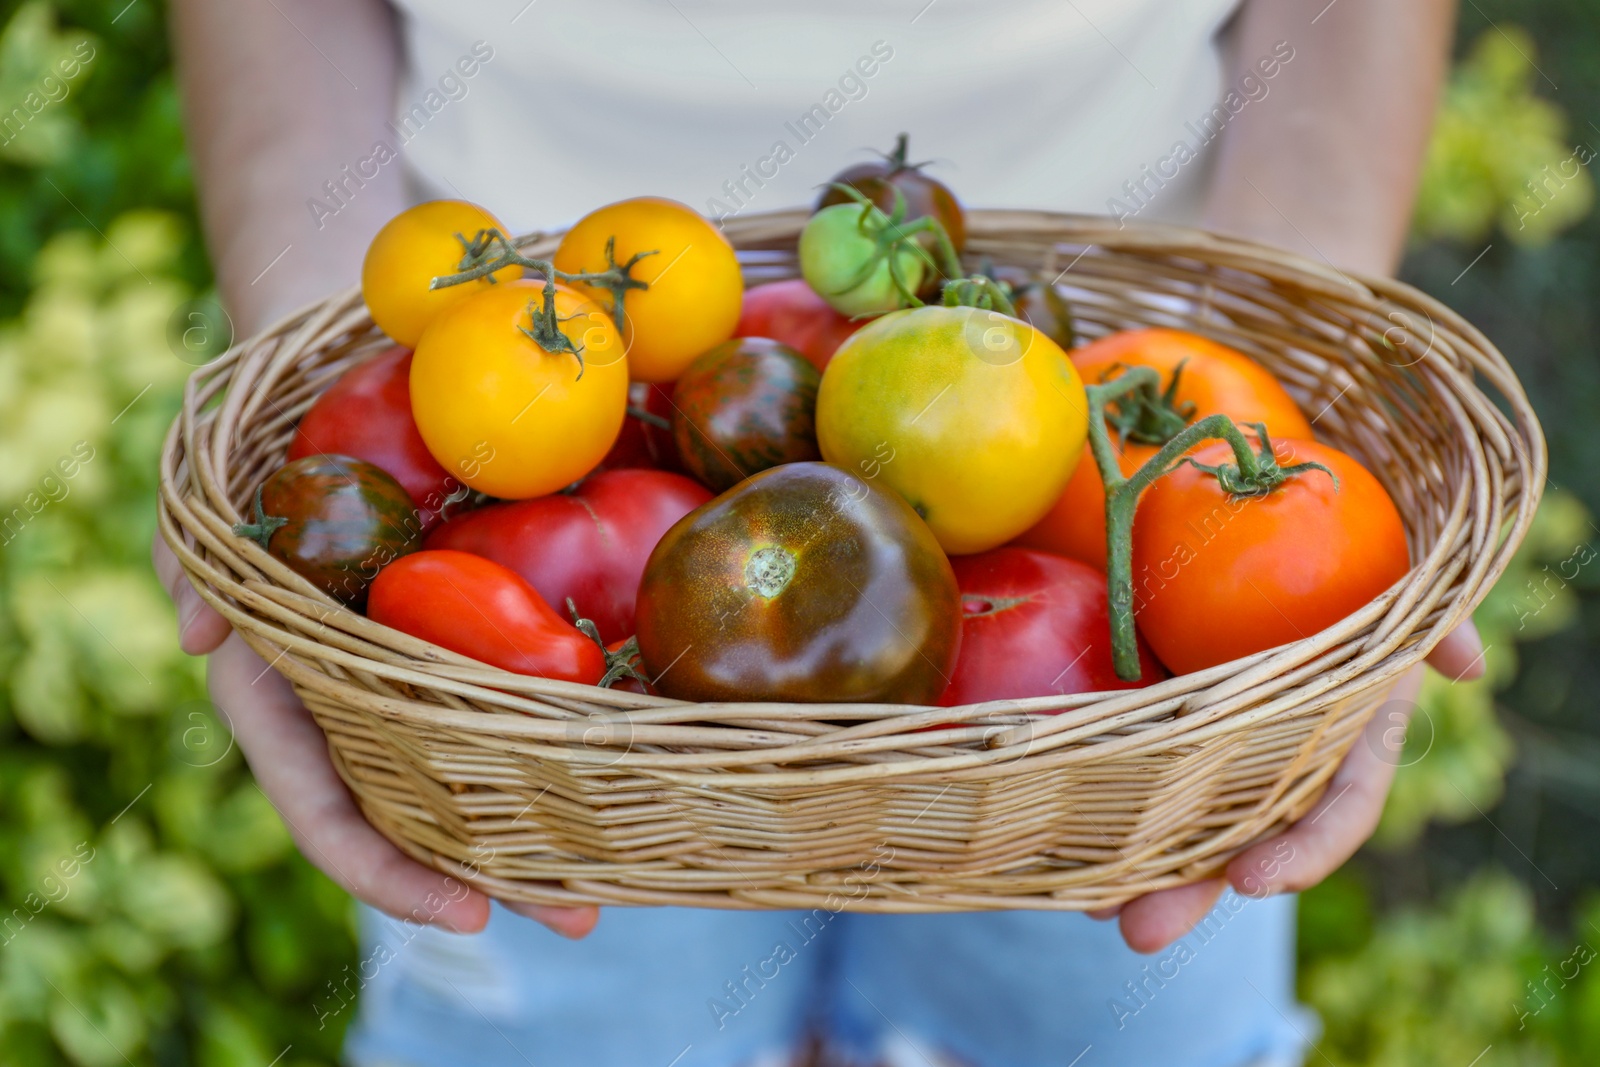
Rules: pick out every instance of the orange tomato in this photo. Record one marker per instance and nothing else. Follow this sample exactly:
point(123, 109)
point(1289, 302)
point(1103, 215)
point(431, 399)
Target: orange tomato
point(500, 412)
point(1218, 577)
point(695, 286)
point(1215, 379)
point(416, 246)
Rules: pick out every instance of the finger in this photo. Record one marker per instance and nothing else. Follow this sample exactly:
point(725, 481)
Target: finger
point(1103, 914)
point(289, 754)
point(574, 923)
point(1337, 824)
point(1152, 922)
point(200, 629)
point(1460, 655)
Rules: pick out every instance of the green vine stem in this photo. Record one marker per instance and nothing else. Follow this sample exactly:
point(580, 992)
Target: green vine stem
point(263, 528)
point(892, 235)
point(490, 251)
point(1254, 472)
point(978, 291)
point(650, 418)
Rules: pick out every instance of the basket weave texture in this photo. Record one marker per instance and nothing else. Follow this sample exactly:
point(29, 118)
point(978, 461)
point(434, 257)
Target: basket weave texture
point(556, 793)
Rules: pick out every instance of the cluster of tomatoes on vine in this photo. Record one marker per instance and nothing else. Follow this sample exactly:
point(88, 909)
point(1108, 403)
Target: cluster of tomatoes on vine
point(917, 497)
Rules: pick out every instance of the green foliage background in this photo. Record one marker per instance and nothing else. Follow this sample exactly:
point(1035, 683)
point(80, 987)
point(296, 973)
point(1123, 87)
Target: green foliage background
point(152, 908)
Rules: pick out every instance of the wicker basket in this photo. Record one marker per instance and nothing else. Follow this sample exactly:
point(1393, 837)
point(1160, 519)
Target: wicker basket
point(556, 793)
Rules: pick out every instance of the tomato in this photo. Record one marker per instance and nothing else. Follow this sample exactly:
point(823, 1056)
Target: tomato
point(334, 520)
point(802, 583)
point(790, 311)
point(478, 608)
point(367, 414)
point(590, 544)
point(1033, 625)
point(843, 265)
point(419, 244)
point(924, 196)
point(1218, 577)
point(972, 416)
point(744, 406)
point(1215, 380)
point(695, 285)
point(663, 450)
point(631, 450)
point(503, 414)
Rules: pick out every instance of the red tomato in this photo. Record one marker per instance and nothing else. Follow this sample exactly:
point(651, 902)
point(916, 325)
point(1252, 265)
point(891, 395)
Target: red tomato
point(480, 609)
point(590, 544)
point(1033, 625)
point(366, 414)
point(1218, 577)
point(632, 450)
point(791, 312)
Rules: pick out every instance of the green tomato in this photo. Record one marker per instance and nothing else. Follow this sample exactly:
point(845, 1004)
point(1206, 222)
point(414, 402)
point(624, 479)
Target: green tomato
point(833, 254)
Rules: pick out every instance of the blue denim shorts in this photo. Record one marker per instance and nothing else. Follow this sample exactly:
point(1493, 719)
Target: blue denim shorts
point(674, 987)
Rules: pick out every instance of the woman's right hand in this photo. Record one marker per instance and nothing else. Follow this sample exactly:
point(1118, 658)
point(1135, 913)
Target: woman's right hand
point(288, 753)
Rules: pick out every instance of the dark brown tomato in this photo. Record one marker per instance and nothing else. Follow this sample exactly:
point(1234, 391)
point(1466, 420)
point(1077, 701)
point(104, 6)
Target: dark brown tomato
point(744, 406)
point(336, 521)
point(924, 196)
point(802, 583)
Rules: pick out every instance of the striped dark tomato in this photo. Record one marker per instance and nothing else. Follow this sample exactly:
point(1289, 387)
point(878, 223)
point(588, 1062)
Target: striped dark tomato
point(334, 520)
point(746, 405)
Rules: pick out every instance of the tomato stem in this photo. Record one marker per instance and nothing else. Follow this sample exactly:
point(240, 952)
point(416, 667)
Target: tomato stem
point(892, 235)
point(978, 291)
point(263, 528)
point(490, 252)
point(621, 662)
point(1254, 472)
point(650, 418)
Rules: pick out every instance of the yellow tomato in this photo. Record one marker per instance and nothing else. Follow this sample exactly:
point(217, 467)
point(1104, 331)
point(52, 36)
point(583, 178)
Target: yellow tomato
point(413, 248)
point(695, 288)
point(503, 414)
point(975, 418)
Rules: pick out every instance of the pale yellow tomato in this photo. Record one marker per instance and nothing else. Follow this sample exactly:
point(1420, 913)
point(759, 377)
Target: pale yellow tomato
point(416, 246)
point(974, 417)
point(695, 287)
point(503, 414)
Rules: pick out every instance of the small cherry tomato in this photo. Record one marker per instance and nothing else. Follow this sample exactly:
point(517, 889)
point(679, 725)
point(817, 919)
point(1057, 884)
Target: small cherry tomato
point(1033, 625)
point(367, 414)
point(478, 608)
point(972, 416)
point(1214, 380)
point(589, 545)
point(879, 179)
point(746, 405)
point(502, 413)
point(695, 285)
point(790, 311)
point(844, 266)
point(335, 521)
point(1217, 577)
point(802, 583)
point(419, 244)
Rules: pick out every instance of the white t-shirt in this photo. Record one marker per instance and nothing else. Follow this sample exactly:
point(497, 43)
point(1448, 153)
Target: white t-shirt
point(542, 110)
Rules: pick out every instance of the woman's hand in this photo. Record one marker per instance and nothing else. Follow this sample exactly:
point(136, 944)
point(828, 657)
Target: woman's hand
point(1317, 845)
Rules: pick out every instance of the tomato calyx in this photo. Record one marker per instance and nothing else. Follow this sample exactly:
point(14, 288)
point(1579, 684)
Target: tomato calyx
point(491, 251)
point(621, 662)
point(1236, 481)
point(1254, 472)
point(264, 527)
point(978, 291)
point(892, 236)
point(1149, 415)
